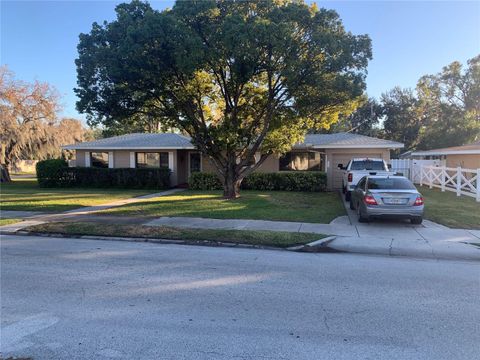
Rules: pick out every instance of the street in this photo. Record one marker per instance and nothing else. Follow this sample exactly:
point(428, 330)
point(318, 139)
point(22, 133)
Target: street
point(90, 299)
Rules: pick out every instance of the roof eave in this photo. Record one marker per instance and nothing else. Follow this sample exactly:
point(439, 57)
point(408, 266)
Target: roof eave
point(452, 152)
point(74, 147)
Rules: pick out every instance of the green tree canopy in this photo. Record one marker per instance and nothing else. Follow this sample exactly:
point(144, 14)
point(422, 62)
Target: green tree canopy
point(449, 105)
point(239, 77)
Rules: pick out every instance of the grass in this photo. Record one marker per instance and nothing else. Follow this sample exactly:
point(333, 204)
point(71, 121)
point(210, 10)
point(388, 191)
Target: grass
point(448, 209)
point(9, 221)
point(26, 195)
point(259, 205)
point(265, 238)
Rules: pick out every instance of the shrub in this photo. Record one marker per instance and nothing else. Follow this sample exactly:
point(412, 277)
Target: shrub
point(49, 172)
point(281, 181)
point(204, 181)
point(287, 181)
point(158, 178)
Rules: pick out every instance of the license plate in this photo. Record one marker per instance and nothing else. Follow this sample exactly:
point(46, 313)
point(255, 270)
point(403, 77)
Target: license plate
point(395, 201)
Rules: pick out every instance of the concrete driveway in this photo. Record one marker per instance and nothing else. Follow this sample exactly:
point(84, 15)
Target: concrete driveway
point(84, 299)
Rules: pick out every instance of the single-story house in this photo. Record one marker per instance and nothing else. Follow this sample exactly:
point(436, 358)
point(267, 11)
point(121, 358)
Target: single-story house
point(465, 156)
point(322, 152)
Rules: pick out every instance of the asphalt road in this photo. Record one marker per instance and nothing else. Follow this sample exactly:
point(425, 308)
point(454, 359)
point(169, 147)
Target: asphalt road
point(86, 299)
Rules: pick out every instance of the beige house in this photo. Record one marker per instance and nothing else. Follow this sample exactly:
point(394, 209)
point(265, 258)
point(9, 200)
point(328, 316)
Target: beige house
point(466, 156)
point(319, 152)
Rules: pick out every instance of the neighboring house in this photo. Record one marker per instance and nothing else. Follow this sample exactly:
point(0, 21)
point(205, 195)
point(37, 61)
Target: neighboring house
point(322, 152)
point(466, 156)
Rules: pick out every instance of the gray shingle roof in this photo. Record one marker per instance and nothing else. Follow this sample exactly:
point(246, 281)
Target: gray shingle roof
point(176, 141)
point(346, 140)
point(136, 141)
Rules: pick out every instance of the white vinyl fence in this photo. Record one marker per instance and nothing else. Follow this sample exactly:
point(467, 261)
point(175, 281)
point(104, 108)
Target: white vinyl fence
point(434, 173)
point(411, 168)
point(459, 180)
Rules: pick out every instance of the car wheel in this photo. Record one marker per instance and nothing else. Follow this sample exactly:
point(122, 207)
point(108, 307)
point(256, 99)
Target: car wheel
point(352, 204)
point(361, 217)
point(348, 196)
point(416, 220)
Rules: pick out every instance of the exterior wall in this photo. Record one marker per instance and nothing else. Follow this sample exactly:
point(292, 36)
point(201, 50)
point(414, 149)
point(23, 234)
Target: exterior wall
point(467, 161)
point(121, 159)
point(80, 158)
point(269, 165)
point(207, 166)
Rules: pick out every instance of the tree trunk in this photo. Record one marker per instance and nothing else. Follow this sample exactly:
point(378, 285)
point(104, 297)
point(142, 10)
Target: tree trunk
point(4, 174)
point(231, 181)
point(231, 189)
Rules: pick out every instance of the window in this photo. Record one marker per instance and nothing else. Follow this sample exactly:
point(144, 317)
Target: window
point(302, 161)
point(195, 162)
point(99, 159)
point(151, 160)
point(367, 165)
point(361, 183)
point(390, 184)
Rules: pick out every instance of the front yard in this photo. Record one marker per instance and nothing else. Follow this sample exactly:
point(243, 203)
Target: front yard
point(258, 205)
point(448, 209)
point(26, 195)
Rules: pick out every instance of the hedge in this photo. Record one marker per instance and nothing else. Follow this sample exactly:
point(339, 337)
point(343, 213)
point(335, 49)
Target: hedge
point(311, 181)
point(157, 178)
point(49, 172)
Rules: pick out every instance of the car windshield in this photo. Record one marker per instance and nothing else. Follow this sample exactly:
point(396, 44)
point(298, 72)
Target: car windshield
point(367, 165)
point(390, 184)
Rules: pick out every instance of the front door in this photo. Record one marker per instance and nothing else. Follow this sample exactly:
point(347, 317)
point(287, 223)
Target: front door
point(195, 162)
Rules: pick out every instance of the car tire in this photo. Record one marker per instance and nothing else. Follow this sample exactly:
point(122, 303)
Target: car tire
point(416, 220)
point(361, 217)
point(352, 205)
point(348, 196)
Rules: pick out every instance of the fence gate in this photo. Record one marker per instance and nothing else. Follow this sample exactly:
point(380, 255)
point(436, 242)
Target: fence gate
point(411, 168)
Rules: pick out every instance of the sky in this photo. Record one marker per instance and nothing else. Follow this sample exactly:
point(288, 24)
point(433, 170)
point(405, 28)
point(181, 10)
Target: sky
point(409, 38)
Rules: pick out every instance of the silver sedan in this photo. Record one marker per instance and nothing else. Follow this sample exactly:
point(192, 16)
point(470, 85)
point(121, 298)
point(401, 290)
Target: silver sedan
point(387, 196)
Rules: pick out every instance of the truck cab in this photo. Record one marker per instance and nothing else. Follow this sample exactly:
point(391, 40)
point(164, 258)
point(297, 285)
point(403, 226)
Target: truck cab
point(357, 168)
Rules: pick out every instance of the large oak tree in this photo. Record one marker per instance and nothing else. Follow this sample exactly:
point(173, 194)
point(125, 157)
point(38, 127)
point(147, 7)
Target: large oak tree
point(240, 77)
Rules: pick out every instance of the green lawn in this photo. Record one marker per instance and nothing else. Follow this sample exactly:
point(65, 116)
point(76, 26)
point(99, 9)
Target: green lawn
point(9, 221)
point(448, 209)
point(265, 238)
point(258, 205)
point(25, 194)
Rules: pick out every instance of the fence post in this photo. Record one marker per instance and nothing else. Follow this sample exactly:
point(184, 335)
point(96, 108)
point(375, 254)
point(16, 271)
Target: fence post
point(430, 176)
point(459, 180)
point(421, 175)
point(477, 185)
point(444, 174)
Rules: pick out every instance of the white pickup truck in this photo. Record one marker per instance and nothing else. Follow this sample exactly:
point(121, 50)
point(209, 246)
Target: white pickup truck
point(357, 169)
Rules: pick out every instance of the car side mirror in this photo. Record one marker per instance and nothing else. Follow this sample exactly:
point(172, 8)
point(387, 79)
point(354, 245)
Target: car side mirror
point(340, 166)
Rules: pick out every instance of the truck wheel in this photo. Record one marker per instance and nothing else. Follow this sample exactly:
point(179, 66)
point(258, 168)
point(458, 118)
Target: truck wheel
point(352, 205)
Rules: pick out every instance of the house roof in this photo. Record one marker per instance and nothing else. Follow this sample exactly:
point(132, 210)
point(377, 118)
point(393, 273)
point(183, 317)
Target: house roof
point(473, 148)
point(176, 141)
point(136, 141)
point(347, 140)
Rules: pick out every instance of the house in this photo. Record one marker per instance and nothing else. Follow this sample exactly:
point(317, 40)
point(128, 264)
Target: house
point(466, 156)
point(321, 152)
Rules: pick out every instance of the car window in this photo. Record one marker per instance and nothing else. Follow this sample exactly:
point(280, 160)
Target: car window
point(390, 184)
point(367, 165)
point(361, 183)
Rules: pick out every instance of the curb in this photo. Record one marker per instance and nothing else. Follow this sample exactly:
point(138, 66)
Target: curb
point(149, 240)
point(317, 246)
